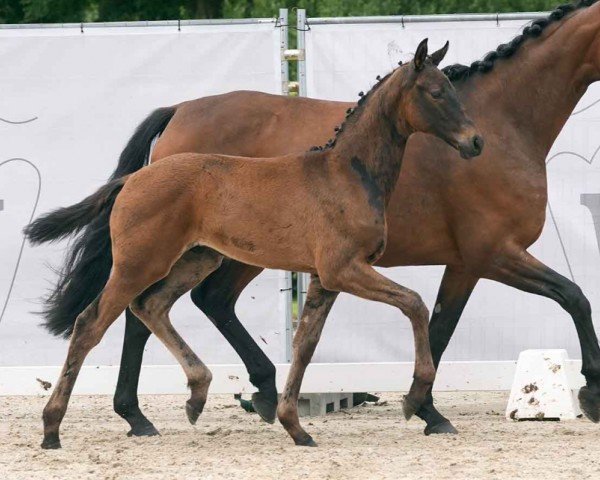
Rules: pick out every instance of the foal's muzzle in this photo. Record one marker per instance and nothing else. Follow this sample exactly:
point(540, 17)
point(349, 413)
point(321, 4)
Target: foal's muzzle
point(472, 147)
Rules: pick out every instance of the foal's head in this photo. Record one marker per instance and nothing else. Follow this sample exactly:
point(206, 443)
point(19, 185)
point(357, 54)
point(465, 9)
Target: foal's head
point(427, 102)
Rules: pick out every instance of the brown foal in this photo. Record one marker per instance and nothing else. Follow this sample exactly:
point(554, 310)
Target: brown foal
point(321, 212)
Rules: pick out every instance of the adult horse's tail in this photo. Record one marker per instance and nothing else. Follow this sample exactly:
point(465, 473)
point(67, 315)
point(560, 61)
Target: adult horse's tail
point(89, 257)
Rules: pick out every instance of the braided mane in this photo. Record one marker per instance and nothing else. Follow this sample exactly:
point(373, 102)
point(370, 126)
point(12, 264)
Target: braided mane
point(352, 111)
point(459, 72)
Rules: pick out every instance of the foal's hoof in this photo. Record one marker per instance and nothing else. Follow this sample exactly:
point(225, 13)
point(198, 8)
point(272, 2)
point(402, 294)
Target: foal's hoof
point(51, 442)
point(143, 431)
point(589, 402)
point(193, 412)
point(444, 427)
point(265, 407)
point(409, 407)
point(306, 442)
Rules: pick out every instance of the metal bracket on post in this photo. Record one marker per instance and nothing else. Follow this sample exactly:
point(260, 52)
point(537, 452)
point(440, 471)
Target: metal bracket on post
point(293, 55)
point(283, 47)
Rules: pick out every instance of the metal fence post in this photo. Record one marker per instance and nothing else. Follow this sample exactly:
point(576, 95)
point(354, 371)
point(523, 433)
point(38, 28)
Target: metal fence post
point(302, 28)
point(285, 90)
point(303, 279)
point(283, 46)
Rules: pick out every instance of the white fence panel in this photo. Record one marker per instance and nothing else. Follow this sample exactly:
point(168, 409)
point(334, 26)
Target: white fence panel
point(499, 322)
point(69, 103)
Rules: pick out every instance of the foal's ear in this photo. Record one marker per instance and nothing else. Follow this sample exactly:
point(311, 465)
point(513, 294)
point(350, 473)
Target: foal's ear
point(421, 56)
point(437, 57)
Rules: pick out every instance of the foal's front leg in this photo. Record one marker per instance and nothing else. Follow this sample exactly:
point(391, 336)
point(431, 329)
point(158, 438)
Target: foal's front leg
point(316, 308)
point(362, 280)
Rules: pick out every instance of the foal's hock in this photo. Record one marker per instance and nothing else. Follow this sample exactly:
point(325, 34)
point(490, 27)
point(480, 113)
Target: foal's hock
point(321, 212)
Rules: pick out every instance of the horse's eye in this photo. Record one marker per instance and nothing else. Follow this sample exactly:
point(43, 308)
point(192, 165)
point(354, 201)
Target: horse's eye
point(436, 93)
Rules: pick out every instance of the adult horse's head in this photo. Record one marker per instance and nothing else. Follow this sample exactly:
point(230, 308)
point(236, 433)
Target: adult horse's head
point(429, 104)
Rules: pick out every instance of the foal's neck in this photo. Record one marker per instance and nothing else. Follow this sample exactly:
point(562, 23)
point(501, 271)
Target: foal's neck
point(372, 143)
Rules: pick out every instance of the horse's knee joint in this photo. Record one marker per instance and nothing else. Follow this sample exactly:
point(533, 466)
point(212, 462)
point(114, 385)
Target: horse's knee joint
point(415, 308)
point(575, 301)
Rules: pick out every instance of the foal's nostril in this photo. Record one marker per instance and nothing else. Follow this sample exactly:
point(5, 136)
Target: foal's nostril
point(477, 144)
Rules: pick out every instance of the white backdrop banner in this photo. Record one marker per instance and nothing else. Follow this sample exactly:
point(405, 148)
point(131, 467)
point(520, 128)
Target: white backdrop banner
point(499, 322)
point(69, 103)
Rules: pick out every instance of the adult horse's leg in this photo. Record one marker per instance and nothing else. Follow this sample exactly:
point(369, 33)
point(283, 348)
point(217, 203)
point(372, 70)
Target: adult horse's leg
point(125, 401)
point(521, 270)
point(216, 297)
point(153, 307)
point(454, 292)
point(316, 308)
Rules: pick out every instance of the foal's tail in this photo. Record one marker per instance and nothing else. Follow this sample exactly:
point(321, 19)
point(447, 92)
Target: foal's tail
point(89, 258)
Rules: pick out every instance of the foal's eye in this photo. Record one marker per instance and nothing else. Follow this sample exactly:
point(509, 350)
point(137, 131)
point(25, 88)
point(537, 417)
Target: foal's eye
point(436, 93)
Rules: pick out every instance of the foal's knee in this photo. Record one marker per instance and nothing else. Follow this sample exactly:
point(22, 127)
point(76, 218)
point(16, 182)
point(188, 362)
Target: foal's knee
point(414, 308)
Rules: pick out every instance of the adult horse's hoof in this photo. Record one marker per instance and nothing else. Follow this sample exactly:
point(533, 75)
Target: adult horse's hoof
point(193, 412)
point(51, 442)
point(409, 407)
point(147, 430)
point(265, 407)
point(306, 442)
point(441, 428)
point(589, 402)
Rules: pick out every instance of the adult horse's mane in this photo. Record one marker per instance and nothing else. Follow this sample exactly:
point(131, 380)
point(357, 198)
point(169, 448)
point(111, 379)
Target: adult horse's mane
point(459, 72)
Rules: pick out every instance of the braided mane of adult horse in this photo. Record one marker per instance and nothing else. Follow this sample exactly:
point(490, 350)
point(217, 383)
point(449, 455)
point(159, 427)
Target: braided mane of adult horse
point(478, 219)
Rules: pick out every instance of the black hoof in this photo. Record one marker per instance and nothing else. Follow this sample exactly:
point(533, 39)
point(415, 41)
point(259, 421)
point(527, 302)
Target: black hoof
point(307, 442)
point(51, 442)
point(441, 428)
point(589, 404)
point(265, 407)
point(143, 431)
point(409, 407)
point(193, 412)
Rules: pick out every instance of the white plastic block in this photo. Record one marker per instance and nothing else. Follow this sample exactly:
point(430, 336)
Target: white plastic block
point(541, 389)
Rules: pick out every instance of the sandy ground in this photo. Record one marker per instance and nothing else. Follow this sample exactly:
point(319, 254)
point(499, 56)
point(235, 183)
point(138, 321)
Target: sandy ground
point(363, 443)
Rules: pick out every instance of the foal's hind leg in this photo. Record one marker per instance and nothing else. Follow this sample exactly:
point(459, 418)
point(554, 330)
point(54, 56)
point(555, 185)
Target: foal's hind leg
point(216, 297)
point(153, 307)
point(90, 327)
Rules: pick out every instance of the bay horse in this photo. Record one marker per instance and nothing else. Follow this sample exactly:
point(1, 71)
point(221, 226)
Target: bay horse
point(189, 210)
point(476, 218)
